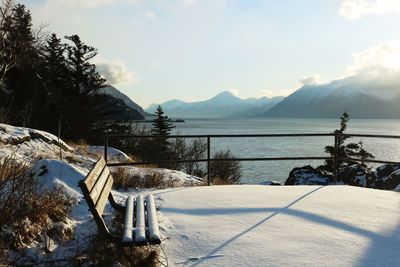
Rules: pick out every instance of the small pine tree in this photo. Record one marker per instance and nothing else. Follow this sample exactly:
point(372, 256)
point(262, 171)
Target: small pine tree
point(162, 126)
point(355, 150)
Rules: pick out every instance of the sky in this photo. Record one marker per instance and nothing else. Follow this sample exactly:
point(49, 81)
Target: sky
point(158, 50)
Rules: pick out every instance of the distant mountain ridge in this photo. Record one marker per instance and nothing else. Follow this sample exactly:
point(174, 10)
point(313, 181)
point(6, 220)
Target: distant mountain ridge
point(223, 105)
point(361, 97)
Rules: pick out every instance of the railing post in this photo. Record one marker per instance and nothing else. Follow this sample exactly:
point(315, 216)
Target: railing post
point(105, 148)
point(336, 158)
point(208, 160)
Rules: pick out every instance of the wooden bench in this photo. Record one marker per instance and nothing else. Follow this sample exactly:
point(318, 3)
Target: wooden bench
point(139, 211)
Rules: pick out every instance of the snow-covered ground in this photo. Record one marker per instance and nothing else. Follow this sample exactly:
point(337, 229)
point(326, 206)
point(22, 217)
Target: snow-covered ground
point(255, 225)
point(241, 225)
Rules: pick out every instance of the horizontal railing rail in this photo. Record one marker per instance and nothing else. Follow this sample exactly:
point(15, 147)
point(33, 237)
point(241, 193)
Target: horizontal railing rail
point(335, 158)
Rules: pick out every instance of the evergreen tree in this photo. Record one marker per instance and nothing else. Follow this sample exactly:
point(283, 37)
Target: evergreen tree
point(354, 150)
point(24, 95)
point(162, 126)
point(85, 81)
point(57, 82)
point(84, 75)
point(7, 57)
point(56, 68)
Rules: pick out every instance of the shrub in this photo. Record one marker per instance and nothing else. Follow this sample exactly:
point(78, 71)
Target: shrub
point(28, 210)
point(124, 179)
point(225, 172)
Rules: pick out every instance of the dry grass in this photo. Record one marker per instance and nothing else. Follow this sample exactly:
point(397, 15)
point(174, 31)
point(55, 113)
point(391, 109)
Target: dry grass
point(123, 179)
point(218, 181)
point(103, 253)
point(28, 210)
point(80, 143)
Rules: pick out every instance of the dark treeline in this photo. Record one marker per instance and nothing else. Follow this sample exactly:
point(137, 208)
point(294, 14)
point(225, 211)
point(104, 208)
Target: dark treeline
point(47, 82)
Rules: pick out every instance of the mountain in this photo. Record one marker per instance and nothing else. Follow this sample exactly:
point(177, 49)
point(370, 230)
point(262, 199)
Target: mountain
point(116, 106)
point(115, 93)
point(223, 105)
point(171, 104)
point(360, 96)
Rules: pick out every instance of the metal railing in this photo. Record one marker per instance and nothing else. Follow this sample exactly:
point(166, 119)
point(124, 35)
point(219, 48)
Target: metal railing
point(335, 158)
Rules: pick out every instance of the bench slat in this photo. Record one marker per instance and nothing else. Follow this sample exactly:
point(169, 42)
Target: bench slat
point(94, 173)
point(140, 231)
point(128, 229)
point(102, 200)
point(154, 232)
point(100, 183)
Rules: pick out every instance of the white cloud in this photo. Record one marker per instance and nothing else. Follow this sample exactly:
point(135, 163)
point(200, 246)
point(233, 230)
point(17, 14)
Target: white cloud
point(355, 9)
point(116, 72)
point(311, 80)
point(385, 56)
point(189, 3)
point(234, 92)
point(150, 15)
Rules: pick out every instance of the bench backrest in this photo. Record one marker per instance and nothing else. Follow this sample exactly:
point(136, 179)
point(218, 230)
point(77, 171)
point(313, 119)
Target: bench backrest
point(96, 189)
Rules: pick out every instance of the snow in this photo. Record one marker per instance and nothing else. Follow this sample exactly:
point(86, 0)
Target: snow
point(128, 222)
point(237, 225)
point(59, 174)
point(258, 225)
point(253, 225)
point(154, 232)
point(18, 135)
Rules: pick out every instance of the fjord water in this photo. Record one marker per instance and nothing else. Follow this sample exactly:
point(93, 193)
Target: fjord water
point(256, 172)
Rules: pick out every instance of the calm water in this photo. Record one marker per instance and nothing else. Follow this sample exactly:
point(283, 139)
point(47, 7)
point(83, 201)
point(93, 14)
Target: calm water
point(254, 172)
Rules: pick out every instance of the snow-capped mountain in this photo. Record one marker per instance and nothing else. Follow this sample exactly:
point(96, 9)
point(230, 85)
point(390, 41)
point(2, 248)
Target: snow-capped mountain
point(223, 105)
point(360, 96)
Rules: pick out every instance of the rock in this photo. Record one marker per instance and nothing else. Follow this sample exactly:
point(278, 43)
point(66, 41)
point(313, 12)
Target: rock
point(308, 175)
point(10, 135)
point(385, 177)
point(386, 169)
point(392, 181)
point(355, 174)
point(270, 183)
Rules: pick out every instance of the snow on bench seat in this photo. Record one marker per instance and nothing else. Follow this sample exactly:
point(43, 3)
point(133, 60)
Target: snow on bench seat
point(154, 232)
point(144, 231)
